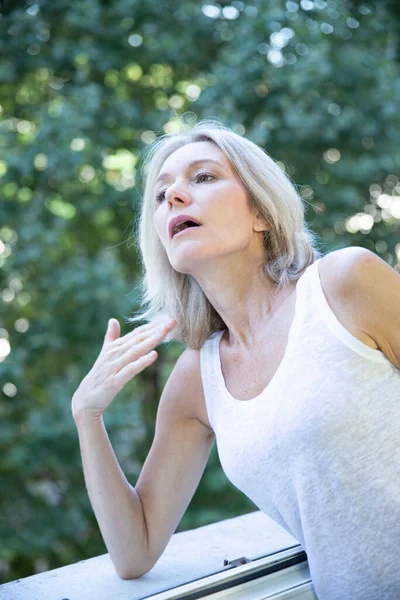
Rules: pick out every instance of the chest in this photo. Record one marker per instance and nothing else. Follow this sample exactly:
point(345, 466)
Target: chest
point(246, 376)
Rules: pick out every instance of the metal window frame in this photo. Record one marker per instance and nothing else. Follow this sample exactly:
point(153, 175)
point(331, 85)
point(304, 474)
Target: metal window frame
point(284, 574)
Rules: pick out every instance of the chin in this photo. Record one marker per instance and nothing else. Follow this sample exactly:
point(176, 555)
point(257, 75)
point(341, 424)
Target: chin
point(181, 268)
point(187, 260)
point(182, 259)
point(186, 264)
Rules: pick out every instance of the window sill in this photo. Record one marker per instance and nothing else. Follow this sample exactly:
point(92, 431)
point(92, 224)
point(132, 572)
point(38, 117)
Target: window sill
point(189, 557)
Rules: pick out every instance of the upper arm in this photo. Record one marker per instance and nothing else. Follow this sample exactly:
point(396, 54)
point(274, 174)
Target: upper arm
point(369, 290)
point(178, 455)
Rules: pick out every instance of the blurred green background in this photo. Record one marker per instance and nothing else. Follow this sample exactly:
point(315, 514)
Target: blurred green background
point(84, 88)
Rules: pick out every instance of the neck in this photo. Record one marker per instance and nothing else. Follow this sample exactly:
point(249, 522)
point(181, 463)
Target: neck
point(244, 299)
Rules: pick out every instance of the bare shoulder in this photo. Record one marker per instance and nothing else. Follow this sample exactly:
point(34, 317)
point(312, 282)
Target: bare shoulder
point(340, 262)
point(335, 272)
point(186, 380)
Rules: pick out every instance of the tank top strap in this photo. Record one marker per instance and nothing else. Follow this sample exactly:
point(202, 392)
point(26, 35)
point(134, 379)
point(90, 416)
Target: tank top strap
point(209, 376)
point(302, 300)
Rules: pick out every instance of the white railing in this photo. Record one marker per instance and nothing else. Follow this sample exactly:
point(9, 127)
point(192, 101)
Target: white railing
point(194, 560)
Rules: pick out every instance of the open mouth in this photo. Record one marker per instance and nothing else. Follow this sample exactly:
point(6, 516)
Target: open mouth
point(182, 226)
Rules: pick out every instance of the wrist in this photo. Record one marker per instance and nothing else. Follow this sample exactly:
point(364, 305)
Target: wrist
point(83, 415)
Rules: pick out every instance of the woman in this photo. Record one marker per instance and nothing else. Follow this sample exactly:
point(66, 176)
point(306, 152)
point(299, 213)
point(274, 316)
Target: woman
point(291, 365)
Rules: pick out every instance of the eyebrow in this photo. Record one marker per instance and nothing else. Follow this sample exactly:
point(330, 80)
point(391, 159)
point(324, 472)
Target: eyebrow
point(191, 164)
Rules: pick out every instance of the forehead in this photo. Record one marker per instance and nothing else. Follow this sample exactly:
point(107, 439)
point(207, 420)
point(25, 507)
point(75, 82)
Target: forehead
point(195, 151)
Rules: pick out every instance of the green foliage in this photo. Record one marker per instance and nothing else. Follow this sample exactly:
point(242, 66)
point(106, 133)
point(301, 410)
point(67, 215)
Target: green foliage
point(84, 87)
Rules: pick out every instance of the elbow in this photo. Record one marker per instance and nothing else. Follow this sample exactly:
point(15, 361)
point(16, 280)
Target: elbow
point(128, 573)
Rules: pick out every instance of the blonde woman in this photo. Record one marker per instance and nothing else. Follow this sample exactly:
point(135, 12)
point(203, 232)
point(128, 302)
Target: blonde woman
point(292, 364)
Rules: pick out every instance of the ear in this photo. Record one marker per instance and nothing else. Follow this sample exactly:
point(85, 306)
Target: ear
point(259, 224)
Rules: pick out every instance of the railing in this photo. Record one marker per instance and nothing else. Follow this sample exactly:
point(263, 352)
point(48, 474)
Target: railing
point(250, 556)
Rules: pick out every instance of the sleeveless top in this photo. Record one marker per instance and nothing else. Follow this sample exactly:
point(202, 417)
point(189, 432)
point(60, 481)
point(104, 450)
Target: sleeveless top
point(319, 449)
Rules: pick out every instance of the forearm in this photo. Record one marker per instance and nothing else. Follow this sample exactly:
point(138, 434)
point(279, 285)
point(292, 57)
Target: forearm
point(115, 502)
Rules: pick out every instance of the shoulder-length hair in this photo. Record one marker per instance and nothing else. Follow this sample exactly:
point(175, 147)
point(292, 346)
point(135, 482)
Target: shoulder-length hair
point(290, 246)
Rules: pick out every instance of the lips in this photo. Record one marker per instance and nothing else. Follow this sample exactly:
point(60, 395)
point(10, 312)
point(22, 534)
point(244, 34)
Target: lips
point(177, 224)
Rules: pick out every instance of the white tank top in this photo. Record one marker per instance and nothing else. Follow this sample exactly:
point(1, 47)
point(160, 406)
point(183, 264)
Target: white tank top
point(319, 449)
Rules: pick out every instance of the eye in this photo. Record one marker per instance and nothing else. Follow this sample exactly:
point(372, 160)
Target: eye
point(161, 194)
point(205, 175)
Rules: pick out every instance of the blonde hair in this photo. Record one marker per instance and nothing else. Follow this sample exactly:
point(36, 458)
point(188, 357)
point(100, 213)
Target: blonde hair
point(289, 243)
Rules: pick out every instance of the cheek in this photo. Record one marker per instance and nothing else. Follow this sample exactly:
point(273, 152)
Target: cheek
point(234, 202)
point(235, 214)
point(235, 226)
point(158, 224)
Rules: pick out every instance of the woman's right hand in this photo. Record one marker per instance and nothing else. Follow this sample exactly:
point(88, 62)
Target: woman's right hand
point(120, 359)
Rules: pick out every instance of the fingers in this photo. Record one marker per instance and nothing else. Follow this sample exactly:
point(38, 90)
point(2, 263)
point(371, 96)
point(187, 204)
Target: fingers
point(133, 368)
point(135, 349)
point(113, 331)
point(119, 361)
point(136, 352)
point(142, 332)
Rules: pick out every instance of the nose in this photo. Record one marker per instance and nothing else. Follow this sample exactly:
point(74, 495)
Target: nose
point(177, 196)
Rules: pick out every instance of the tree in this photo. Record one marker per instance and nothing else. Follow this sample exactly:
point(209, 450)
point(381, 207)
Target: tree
point(84, 87)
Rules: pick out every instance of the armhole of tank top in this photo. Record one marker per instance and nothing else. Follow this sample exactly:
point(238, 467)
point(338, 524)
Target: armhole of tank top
point(334, 325)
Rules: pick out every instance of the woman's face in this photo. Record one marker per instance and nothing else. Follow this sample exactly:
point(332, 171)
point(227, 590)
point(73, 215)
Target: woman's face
point(197, 182)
